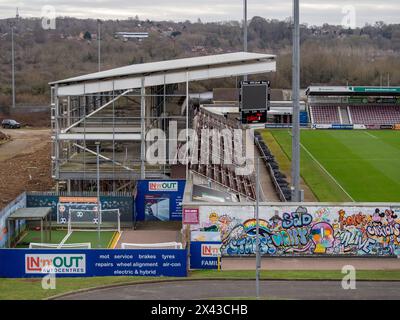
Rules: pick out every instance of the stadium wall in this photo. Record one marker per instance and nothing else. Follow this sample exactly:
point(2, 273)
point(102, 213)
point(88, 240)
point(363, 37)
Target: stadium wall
point(19, 202)
point(305, 229)
point(125, 203)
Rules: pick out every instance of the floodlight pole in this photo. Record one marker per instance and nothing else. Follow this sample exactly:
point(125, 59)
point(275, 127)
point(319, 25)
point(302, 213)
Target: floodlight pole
point(13, 65)
point(245, 31)
point(258, 256)
point(187, 125)
point(296, 104)
point(98, 194)
point(99, 44)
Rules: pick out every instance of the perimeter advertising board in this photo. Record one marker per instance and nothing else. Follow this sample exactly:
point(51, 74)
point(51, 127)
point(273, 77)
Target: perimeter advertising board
point(26, 263)
point(204, 255)
point(159, 200)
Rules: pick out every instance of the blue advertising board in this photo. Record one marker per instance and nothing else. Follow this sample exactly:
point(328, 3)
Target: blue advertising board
point(303, 117)
point(343, 126)
point(159, 200)
point(29, 263)
point(203, 254)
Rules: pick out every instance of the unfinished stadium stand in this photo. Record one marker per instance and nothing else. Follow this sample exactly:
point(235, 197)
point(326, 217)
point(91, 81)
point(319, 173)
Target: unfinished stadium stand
point(221, 174)
point(369, 106)
point(115, 109)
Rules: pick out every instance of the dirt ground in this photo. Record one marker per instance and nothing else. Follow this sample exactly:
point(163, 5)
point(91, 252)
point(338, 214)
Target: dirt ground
point(24, 163)
point(29, 119)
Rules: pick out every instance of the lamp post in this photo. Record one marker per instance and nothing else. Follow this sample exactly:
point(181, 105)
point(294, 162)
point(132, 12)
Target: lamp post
point(258, 256)
point(98, 193)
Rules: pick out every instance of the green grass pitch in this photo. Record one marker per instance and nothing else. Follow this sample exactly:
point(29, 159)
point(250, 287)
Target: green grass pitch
point(76, 237)
point(340, 165)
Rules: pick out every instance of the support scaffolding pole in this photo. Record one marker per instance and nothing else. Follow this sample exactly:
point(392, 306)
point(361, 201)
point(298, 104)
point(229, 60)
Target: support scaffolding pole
point(187, 125)
point(95, 111)
point(143, 130)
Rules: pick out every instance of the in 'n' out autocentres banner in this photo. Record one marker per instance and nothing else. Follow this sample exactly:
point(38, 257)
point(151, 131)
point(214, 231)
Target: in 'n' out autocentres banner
point(26, 263)
point(159, 200)
point(305, 230)
point(204, 255)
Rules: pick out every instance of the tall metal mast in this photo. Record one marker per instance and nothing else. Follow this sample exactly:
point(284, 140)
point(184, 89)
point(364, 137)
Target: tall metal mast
point(245, 30)
point(12, 24)
point(99, 44)
point(296, 196)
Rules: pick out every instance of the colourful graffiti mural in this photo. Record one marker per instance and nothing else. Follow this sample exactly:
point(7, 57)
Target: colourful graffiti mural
point(305, 230)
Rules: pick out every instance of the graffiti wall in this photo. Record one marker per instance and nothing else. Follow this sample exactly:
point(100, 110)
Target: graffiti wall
point(305, 230)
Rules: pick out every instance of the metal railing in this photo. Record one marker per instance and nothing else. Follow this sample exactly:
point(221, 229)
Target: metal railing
point(278, 188)
point(79, 193)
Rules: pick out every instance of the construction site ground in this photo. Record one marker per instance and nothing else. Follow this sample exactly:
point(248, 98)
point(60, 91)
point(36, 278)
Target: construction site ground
point(25, 163)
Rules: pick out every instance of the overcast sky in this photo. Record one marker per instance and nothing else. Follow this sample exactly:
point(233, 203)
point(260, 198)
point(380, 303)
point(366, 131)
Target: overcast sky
point(314, 12)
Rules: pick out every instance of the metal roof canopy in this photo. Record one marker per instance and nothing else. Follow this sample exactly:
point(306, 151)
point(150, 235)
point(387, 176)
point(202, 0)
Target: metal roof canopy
point(38, 213)
point(168, 72)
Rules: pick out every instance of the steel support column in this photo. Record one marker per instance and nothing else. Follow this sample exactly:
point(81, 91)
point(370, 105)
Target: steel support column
point(187, 125)
point(143, 131)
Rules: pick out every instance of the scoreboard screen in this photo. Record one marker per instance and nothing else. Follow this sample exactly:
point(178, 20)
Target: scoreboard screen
point(254, 97)
point(254, 101)
point(249, 117)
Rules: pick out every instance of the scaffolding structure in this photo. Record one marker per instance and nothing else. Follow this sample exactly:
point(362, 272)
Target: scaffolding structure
point(118, 107)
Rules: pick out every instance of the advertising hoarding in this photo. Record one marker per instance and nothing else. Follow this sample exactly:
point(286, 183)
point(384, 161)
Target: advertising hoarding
point(25, 263)
point(159, 200)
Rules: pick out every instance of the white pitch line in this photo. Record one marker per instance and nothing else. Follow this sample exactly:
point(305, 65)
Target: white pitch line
point(371, 135)
point(326, 171)
point(119, 238)
point(64, 240)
